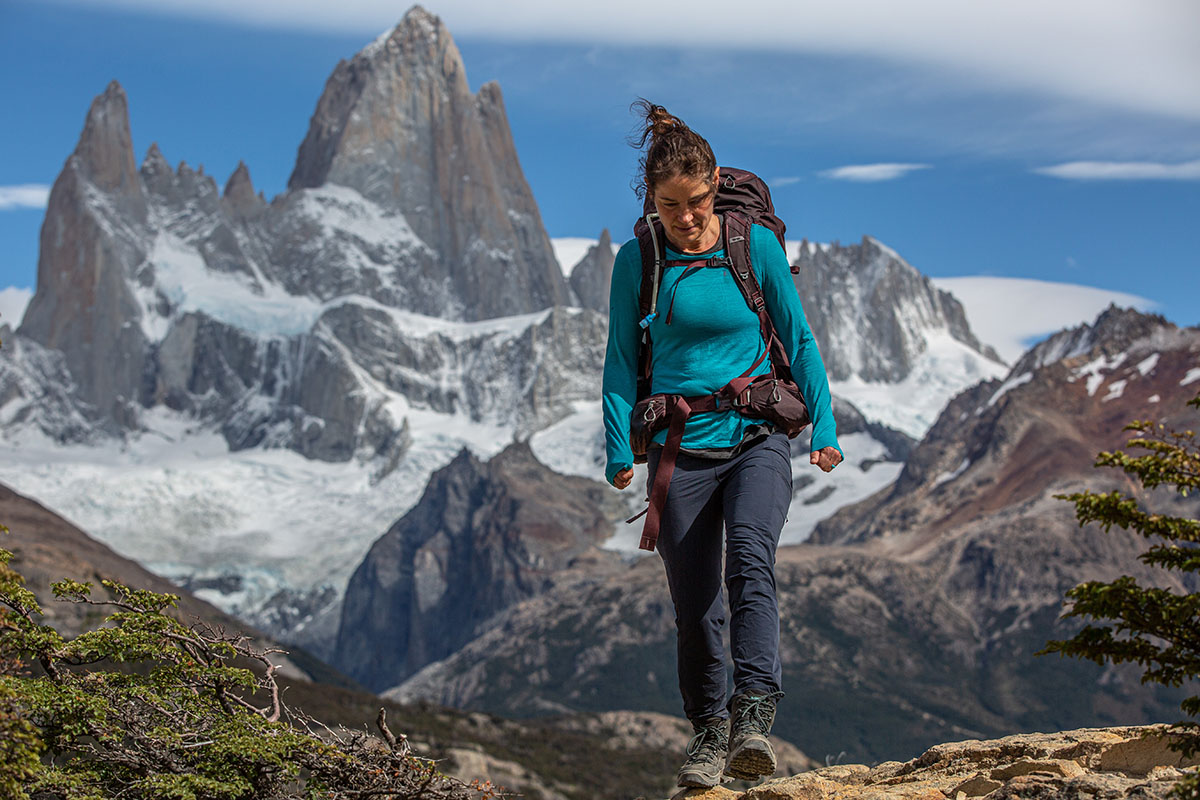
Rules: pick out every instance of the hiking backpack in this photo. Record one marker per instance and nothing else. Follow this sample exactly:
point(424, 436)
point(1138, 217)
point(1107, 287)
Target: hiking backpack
point(742, 200)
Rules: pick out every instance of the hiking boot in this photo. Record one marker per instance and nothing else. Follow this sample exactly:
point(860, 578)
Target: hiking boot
point(705, 753)
point(750, 754)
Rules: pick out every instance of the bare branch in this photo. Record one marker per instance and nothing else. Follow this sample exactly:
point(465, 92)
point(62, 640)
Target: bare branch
point(381, 723)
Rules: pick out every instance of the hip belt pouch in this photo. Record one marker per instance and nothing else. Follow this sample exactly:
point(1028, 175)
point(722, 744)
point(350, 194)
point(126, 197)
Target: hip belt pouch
point(650, 415)
point(777, 401)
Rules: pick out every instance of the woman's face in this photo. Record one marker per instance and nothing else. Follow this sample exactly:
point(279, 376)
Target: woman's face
point(685, 206)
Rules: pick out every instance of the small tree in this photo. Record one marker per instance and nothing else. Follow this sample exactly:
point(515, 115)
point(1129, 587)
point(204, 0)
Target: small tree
point(1151, 626)
point(19, 744)
point(148, 707)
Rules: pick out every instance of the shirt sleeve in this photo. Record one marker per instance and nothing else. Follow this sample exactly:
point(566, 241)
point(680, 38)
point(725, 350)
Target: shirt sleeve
point(619, 391)
point(783, 304)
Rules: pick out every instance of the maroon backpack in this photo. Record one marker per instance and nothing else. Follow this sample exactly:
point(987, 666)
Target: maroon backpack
point(743, 199)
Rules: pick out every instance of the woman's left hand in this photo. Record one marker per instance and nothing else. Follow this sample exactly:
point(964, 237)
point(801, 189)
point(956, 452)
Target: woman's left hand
point(826, 458)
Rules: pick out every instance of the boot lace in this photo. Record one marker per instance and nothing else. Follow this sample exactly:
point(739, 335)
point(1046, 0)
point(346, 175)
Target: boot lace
point(755, 714)
point(709, 741)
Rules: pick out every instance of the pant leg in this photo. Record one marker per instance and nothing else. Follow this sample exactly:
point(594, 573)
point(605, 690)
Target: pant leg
point(690, 543)
point(757, 491)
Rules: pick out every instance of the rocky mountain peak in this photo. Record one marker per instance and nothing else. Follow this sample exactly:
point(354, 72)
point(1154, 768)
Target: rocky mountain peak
point(873, 313)
point(1008, 442)
point(1113, 332)
point(399, 125)
point(104, 154)
point(239, 182)
point(155, 168)
point(483, 537)
point(419, 40)
point(239, 193)
point(83, 298)
point(380, 99)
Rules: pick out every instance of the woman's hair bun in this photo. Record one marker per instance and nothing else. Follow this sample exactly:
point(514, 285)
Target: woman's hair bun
point(671, 147)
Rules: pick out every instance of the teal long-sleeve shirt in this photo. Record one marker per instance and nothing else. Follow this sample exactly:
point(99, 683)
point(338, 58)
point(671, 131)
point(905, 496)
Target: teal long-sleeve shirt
point(712, 338)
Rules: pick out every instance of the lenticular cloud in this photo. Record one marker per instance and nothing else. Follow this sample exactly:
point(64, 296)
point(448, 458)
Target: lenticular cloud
point(1071, 48)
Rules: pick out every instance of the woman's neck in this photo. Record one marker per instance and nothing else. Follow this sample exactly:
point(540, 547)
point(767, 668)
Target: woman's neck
point(712, 235)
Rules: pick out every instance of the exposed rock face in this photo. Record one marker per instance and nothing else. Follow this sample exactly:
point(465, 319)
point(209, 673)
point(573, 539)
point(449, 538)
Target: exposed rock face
point(590, 278)
point(483, 537)
point(399, 125)
point(1074, 765)
point(239, 197)
point(89, 249)
point(915, 618)
point(872, 313)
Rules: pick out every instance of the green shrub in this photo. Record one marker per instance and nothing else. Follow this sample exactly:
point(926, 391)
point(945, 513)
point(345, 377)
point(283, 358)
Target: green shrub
point(1154, 627)
point(145, 706)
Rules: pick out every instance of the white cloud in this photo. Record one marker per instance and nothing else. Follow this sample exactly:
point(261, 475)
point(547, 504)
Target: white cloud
point(1045, 307)
point(26, 195)
point(13, 301)
point(1130, 54)
point(1123, 171)
point(871, 173)
point(786, 181)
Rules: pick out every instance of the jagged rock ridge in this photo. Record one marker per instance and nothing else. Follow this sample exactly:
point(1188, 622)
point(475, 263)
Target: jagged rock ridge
point(84, 297)
point(305, 322)
point(590, 278)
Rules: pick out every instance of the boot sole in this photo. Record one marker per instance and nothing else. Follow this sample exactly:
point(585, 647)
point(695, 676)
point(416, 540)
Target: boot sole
point(754, 759)
point(698, 780)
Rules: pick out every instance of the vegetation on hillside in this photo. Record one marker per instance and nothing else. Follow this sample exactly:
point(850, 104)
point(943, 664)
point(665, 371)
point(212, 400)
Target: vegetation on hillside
point(1154, 627)
point(145, 706)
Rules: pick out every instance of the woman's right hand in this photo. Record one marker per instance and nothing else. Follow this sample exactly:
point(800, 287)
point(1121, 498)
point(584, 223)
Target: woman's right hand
point(622, 478)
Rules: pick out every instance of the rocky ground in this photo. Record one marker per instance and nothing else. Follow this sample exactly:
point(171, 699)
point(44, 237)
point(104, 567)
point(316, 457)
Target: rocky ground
point(1109, 763)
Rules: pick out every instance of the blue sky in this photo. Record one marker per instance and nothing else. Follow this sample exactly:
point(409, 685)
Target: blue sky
point(1057, 141)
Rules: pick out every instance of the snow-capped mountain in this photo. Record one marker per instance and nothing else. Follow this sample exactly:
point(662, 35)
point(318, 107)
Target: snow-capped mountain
point(157, 289)
point(233, 380)
point(244, 394)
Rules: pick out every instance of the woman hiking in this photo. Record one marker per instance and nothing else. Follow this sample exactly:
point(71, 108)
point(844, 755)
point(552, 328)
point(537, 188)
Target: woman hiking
point(731, 483)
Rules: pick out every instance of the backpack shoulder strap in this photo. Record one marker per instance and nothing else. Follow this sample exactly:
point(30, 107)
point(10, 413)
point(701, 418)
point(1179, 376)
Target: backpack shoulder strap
point(736, 228)
point(651, 243)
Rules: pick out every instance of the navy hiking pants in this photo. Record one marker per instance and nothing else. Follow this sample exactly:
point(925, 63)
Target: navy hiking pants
point(728, 511)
